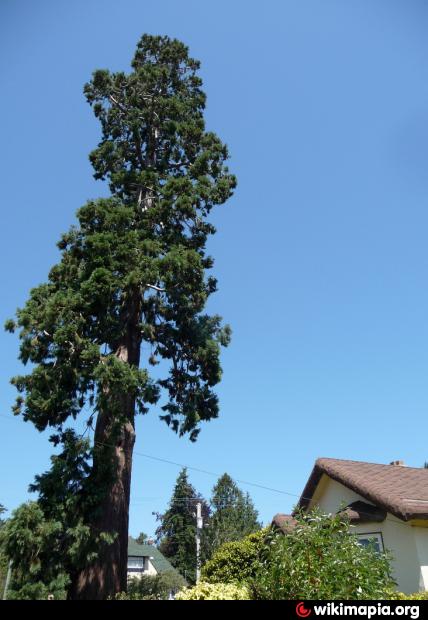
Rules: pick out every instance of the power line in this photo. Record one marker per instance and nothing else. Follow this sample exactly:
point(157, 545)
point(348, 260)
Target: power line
point(197, 469)
point(189, 467)
point(211, 473)
point(299, 496)
point(217, 475)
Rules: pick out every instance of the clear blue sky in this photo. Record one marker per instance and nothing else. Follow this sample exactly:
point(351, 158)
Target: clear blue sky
point(321, 256)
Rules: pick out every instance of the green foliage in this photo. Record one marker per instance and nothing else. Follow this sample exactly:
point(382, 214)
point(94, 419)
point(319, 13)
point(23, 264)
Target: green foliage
point(50, 540)
point(131, 281)
point(401, 596)
point(321, 559)
point(70, 496)
point(4, 564)
point(32, 543)
point(153, 587)
point(4, 561)
point(141, 251)
point(142, 538)
point(214, 592)
point(233, 516)
point(236, 562)
point(39, 590)
point(176, 533)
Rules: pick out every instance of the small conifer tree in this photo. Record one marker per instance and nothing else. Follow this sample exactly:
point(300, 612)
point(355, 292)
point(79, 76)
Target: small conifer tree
point(176, 533)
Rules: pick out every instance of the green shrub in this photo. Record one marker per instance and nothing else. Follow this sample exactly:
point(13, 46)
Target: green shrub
point(401, 596)
point(235, 562)
point(204, 591)
point(153, 587)
point(39, 591)
point(320, 559)
point(122, 596)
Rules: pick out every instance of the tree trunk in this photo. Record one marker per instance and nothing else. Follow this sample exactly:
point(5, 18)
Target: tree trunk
point(108, 575)
point(113, 447)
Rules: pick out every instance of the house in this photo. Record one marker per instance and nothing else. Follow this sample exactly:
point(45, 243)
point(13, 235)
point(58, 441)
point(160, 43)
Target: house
point(145, 560)
point(386, 504)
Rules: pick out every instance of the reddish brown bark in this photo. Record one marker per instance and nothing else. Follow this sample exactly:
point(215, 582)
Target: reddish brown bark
point(114, 446)
point(108, 575)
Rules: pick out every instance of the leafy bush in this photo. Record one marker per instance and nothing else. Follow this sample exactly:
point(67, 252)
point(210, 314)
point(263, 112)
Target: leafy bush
point(38, 590)
point(321, 559)
point(235, 562)
point(401, 596)
point(204, 591)
point(153, 587)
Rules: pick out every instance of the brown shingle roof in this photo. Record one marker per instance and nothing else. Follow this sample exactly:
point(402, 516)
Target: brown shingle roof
point(402, 491)
point(285, 523)
point(361, 512)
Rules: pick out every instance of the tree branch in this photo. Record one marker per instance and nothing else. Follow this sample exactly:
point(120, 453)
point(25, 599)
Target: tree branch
point(156, 288)
point(122, 107)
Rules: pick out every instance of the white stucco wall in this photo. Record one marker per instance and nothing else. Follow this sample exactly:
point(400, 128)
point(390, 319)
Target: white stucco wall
point(408, 543)
point(421, 539)
point(150, 569)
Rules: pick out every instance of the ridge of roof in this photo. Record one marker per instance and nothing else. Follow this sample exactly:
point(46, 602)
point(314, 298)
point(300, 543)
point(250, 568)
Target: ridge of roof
point(329, 458)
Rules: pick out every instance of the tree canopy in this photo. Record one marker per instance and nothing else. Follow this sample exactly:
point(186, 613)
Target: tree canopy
point(142, 538)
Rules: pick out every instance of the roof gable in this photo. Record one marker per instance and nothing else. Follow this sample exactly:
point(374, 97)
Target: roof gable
point(402, 491)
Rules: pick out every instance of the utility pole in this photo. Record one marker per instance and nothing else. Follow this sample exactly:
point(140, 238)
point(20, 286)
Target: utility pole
point(6, 585)
point(198, 540)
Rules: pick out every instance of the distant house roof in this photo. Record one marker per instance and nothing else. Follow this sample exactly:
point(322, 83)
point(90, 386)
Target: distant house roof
point(282, 522)
point(400, 490)
point(160, 562)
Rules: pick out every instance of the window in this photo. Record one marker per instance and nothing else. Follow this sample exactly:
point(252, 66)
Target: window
point(371, 538)
point(136, 564)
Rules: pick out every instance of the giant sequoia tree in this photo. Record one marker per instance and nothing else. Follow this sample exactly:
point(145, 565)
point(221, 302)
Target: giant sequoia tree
point(130, 290)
